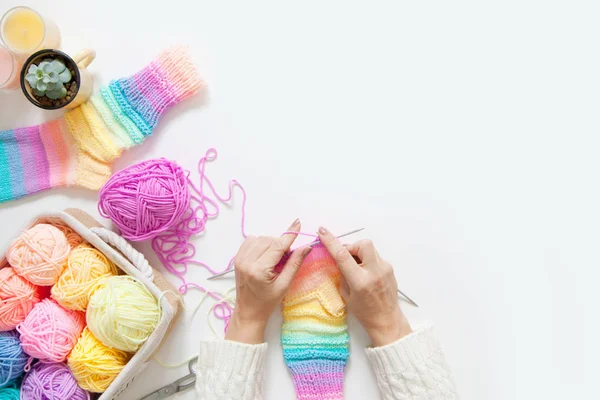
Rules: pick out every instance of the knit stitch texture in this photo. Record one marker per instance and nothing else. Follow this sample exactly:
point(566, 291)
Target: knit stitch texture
point(79, 148)
point(314, 333)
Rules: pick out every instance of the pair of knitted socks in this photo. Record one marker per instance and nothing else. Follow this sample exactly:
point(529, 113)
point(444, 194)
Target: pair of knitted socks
point(79, 148)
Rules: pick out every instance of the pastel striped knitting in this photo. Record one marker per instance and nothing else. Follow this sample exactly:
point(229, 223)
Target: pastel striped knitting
point(80, 148)
point(314, 333)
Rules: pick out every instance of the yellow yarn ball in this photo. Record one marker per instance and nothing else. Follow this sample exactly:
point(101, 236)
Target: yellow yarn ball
point(94, 365)
point(39, 254)
point(122, 313)
point(86, 267)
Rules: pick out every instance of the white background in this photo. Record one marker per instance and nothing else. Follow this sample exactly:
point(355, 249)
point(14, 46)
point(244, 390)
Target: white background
point(462, 135)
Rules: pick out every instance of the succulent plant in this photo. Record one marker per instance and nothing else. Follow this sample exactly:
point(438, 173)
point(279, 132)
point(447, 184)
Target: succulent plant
point(48, 78)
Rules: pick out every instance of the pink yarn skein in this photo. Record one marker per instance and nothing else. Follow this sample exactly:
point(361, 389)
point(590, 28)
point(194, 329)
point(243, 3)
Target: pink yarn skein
point(39, 254)
point(17, 298)
point(51, 382)
point(50, 332)
point(145, 199)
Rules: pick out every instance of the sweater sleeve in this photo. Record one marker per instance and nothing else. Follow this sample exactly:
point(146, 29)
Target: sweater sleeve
point(413, 368)
point(229, 370)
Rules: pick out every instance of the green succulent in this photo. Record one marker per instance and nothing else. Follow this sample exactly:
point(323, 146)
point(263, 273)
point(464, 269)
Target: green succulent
point(48, 78)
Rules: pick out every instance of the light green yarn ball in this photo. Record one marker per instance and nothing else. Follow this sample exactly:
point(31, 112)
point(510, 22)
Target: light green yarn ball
point(122, 313)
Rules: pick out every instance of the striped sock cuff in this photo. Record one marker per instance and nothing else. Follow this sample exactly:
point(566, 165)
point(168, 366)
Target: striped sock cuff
point(165, 82)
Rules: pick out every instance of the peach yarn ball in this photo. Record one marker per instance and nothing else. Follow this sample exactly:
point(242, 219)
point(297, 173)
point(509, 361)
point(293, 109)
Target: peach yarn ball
point(17, 298)
point(73, 238)
point(86, 267)
point(50, 332)
point(39, 254)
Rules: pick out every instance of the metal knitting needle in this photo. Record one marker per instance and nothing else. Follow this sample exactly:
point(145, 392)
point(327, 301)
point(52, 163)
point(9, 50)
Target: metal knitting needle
point(408, 298)
point(311, 244)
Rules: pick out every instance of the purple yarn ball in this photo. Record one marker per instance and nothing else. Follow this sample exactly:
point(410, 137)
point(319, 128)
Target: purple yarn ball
point(51, 381)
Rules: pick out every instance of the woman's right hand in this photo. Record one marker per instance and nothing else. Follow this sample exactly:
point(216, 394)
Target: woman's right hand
point(369, 288)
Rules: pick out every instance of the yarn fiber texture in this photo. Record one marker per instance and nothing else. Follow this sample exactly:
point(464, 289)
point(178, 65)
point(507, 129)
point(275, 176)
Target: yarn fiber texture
point(122, 313)
point(314, 335)
point(49, 332)
point(51, 381)
point(39, 254)
point(10, 394)
point(17, 298)
point(12, 358)
point(145, 199)
point(86, 267)
point(94, 365)
point(73, 238)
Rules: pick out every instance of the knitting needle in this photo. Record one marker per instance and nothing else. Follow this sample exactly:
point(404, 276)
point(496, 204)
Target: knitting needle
point(311, 244)
point(408, 298)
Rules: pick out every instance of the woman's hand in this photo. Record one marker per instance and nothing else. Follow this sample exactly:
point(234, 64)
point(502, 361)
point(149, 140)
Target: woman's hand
point(369, 288)
point(259, 289)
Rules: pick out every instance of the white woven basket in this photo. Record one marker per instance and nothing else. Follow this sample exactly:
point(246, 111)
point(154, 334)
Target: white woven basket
point(133, 263)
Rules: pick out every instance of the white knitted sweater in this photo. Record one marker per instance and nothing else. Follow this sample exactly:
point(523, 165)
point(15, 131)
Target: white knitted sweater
point(413, 368)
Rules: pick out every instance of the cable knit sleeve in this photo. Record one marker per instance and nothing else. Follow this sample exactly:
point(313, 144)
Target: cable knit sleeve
point(413, 368)
point(229, 370)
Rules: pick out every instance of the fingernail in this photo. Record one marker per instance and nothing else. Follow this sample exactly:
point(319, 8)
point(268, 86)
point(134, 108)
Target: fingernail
point(306, 251)
point(323, 231)
point(295, 223)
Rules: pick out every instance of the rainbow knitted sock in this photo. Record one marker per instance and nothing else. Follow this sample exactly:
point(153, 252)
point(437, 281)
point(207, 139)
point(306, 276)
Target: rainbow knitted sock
point(79, 148)
point(314, 333)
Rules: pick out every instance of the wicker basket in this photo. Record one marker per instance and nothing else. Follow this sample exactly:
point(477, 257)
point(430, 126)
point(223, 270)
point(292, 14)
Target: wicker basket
point(132, 263)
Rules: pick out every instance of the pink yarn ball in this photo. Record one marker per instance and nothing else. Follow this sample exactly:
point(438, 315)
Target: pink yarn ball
point(17, 298)
point(52, 381)
point(50, 332)
point(39, 254)
point(145, 199)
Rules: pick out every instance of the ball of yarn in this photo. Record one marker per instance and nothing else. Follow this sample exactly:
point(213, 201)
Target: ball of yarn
point(94, 365)
point(73, 238)
point(12, 358)
point(86, 267)
point(145, 199)
point(49, 332)
point(51, 381)
point(17, 298)
point(122, 313)
point(10, 394)
point(39, 254)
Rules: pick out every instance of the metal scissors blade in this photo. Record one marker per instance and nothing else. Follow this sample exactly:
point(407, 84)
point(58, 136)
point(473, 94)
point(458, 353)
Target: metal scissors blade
point(311, 244)
point(179, 385)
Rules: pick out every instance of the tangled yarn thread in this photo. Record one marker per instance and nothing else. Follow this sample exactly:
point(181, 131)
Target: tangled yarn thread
point(49, 332)
point(94, 365)
point(17, 298)
point(39, 254)
point(12, 358)
point(122, 313)
point(86, 267)
point(51, 381)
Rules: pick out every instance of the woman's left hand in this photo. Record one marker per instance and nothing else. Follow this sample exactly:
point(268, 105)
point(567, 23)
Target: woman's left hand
point(259, 289)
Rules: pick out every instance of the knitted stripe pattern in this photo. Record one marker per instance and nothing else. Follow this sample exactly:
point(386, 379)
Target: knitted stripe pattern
point(79, 148)
point(314, 333)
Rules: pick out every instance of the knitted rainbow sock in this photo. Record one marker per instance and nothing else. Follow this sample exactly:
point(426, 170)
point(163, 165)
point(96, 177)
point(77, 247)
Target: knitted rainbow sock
point(79, 148)
point(314, 333)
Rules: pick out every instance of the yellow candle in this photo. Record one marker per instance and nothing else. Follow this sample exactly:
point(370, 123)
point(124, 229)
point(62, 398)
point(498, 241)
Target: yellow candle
point(25, 31)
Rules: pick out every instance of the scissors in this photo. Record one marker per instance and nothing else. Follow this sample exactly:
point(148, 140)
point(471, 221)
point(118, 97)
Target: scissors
point(175, 387)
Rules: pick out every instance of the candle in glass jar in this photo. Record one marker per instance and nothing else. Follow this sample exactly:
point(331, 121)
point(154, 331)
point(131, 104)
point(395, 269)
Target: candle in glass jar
point(10, 69)
point(24, 31)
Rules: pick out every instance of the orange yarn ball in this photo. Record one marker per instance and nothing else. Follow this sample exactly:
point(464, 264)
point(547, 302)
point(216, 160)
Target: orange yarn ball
point(86, 267)
point(39, 254)
point(17, 298)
